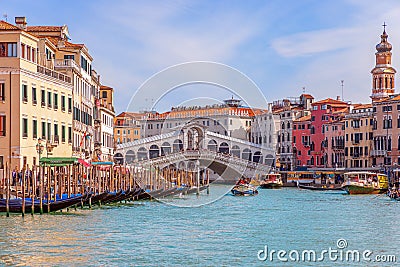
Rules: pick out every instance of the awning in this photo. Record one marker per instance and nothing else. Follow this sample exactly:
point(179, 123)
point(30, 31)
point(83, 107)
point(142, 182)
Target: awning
point(84, 163)
point(102, 163)
point(57, 161)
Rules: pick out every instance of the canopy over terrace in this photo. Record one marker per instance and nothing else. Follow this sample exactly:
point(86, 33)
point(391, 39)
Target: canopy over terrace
point(57, 161)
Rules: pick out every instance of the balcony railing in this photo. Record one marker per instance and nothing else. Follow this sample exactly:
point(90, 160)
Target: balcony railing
point(54, 74)
point(34, 101)
point(378, 153)
point(66, 63)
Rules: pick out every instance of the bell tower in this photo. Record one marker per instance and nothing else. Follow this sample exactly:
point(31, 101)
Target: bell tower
point(383, 73)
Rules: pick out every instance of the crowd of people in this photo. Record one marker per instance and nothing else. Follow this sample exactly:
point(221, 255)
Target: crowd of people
point(16, 176)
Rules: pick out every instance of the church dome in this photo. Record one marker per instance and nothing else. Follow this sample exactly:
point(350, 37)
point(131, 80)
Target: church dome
point(384, 45)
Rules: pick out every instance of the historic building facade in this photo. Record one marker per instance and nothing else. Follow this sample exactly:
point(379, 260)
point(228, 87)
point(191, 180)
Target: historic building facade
point(127, 127)
point(35, 110)
point(359, 125)
point(104, 143)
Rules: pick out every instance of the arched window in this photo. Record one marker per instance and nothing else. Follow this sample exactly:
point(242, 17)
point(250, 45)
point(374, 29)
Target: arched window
point(224, 148)
point(177, 145)
point(235, 151)
point(154, 151)
point(165, 149)
point(142, 153)
point(257, 157)
point(246, 154)
point(130, 156)
point(212, 145)
point(118, 158)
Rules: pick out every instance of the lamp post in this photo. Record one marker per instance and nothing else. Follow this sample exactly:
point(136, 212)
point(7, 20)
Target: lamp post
point(39, 148)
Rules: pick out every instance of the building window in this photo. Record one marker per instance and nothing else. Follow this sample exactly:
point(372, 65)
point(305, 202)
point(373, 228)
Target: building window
point(63, 133)
point(34, 97)
point(69, 134)
point(2, 92)
point(24, 92)
point(104, 94)
point(34, 128)
point(49, 99)
point(43, 130)
point(56, 137)
point(43, 98)
point(55, 101)
point(2, 125)
point(24, 127)
point(63, 102)
point(8, 49)
point(69, 104)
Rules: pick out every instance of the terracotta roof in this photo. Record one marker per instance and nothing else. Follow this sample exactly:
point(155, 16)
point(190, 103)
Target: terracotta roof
point(307, 96)
point(44, 28)
point(5, 26)
point(304, 118)
point(340, 111)
point(362, 106)
point(330, 101)
point(55, 41)
point(135, 115)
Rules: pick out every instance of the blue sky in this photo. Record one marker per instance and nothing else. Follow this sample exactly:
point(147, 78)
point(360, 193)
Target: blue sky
point(281, 45)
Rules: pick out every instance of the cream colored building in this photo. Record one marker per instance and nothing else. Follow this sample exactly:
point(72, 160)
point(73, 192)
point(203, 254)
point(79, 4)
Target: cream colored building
point(104, 143)
point(34, 100)
point(75, 61)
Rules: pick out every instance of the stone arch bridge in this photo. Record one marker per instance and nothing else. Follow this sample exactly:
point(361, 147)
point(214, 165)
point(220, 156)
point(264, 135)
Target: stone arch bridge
point(229, 158)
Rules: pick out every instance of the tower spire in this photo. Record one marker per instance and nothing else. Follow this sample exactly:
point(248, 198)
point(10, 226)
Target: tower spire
point(383, 73)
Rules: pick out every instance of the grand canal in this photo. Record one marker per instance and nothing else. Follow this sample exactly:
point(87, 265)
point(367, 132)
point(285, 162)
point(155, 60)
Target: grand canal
point(227, 232)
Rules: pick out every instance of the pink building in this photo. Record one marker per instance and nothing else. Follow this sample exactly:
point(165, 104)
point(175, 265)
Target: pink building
point(302, 141)
point(322, 113)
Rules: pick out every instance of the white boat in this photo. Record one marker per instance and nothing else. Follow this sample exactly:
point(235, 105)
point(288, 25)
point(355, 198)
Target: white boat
point(244, 190)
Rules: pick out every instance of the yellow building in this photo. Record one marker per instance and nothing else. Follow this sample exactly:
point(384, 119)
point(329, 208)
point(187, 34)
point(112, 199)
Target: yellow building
point(35, 101)
point(359, 136)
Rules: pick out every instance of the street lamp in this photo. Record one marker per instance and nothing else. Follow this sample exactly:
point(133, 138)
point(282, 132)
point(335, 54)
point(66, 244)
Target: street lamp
point(39, 148)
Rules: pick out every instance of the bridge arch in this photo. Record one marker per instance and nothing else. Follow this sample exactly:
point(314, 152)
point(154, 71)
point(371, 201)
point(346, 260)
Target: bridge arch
point(154, 152)
point(212, 145)
point(269, 159)
point(130, 156)
point(257, 157)
point(246, 154)
point(224, 148)
point(165, 148)
point(177, 145)
point(118, 158)
point(235, 151)
point(142, 154)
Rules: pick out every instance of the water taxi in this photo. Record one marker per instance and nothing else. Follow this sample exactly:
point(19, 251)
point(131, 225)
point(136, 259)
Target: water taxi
point(271, 181)
point(365, 183)
point(244, 190)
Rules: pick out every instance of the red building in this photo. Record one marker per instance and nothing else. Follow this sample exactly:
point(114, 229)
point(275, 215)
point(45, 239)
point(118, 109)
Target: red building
point(322, 113)
point(302, 141)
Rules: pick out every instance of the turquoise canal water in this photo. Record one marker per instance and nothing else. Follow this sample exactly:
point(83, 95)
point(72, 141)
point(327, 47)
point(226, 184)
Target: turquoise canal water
point(229, 232)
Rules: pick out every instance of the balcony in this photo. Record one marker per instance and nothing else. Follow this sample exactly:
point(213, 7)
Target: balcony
point(54, 74)
point(356, 155)
point(340, 146)
point(66, 63)
point(378, 153)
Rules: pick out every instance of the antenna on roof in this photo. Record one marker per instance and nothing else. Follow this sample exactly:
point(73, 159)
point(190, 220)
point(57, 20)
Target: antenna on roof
point(342, 84)
point(5, 16)
point(304, 89)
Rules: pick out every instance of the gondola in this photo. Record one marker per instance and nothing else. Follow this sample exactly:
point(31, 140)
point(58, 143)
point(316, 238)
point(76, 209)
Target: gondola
point(15, 205)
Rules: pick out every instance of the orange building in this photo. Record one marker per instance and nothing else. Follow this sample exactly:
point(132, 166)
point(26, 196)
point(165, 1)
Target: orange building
point(127, 127)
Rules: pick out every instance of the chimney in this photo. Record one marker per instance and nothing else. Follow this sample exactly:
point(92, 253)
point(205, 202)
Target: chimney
point(338, 97)
point(21, 22)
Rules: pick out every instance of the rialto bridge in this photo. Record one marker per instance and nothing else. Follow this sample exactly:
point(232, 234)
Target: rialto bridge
point(229, 158)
